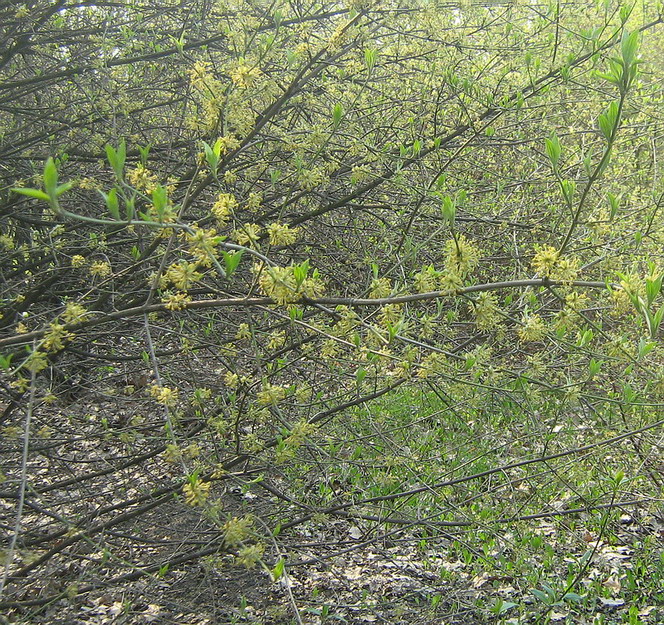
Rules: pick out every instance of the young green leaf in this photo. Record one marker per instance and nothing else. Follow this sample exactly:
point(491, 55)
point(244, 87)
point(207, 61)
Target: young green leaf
point(278, 569)
point(231, 261)
point(36, 193)
point(629, 47)
point(553, 149)
point(337, 114)
point(50, 177)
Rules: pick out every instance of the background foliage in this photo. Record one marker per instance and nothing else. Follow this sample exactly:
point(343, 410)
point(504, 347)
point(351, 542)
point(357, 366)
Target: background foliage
point(284, 280)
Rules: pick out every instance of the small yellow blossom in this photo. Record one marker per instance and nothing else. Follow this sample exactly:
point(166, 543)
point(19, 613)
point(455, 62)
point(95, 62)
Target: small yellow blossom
point(176, 301)
point(164, 395)
point(228, 143)
point(6, 242)
point(426, 280)
point(243, 332)
point(486, 312)
point(271, 394)
point(248, 234)
point(203, 244)
point(77, 261)
point(532, 330)
point(196, 491)
point(309, 179)
point(462, 256)
point(142, 178)
point(545, 260)
point(183, 275)
point(36, 362)
point(100, 268)
point(249, 556)
point(231, 380)
point(277, 340)
point(237, 530)
point(450, 283)
point(73, 312)
point(435, 363)
point(380, 287)
point(282, 234)
point(56, 337)
point(244, 76)
point(223, 207)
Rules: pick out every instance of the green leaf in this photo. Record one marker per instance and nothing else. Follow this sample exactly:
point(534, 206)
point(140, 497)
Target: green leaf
point(278, 569)
point(211, 158)
point(36, 193)
point(160, 200)
point(653, 288)
point(595, 366)
point(111, 199)
point(117, 158)
point(63, 188)
point(629, 46)
point(448, 210)
point(572, 597)
point(370, 59)
point(337, 114)
point(542, 596)
point(553, 149)
point(614, 202)
point(50, 177)
point(646, 346)
point(231, 261)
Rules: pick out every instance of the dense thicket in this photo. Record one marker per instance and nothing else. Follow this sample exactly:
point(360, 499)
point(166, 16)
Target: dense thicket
point(396, 263)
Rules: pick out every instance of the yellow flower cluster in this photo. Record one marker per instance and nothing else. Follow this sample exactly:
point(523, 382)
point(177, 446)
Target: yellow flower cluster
point(243, 332)
point(6, 242)
point(202, 245)
point(176, 301)
point(182, 275)
point(250, 555)
point(196, 491)
point(545, 260)
point(277, 340)
point(164, 395)
point(100, 268)
point(73, 312)
point(244, 76)
point(142, 178)
point(548, 263)
point(228, 143)
point(379, 288)
point(77, 261)
point(36, 362)
point(309, 179)
point(56, 337)
point(279, 283)
point(223, 207)
point(532, 330)
point(426, 280)
point(434, 363)
point(450, 283)
point(231, 380)
point(486, 312)
point(237, 530)
point(281, 234)
point(390, 314)
point(248, 234)
point(271, 394)
point(199, 75)
point(462, 256)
